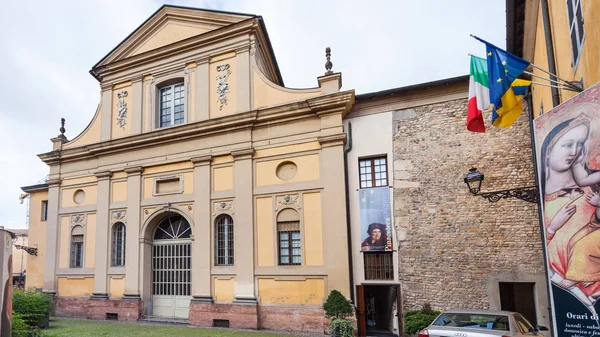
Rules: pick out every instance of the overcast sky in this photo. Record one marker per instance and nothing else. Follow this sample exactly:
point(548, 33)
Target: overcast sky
point(48, 47)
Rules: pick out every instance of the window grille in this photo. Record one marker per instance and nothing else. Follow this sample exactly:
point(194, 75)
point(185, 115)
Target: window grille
point(118, 244)
point(378, 266)
point(171, 258)
point(373, 172)
point(289, 243)
point(224, 241)
point(172, 102)
point(576, 28)
point(77, 251)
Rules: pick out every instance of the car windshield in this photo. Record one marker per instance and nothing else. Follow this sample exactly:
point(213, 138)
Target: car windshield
point(475, 321)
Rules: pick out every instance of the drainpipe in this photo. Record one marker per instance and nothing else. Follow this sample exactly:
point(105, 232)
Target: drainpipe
point(348, 221)
point(550, 50)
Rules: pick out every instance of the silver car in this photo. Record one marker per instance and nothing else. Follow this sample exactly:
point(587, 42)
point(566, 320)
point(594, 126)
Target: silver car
point(481, 323)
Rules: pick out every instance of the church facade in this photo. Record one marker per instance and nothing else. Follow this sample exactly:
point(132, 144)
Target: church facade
point(202, 189)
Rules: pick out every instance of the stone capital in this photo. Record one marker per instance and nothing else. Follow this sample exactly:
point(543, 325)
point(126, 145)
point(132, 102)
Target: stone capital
point(103, 175)
point(53, 182)
point(202, 160)
point(134, 170)
point(203, 59)
point(243, 154)
point(333, 140)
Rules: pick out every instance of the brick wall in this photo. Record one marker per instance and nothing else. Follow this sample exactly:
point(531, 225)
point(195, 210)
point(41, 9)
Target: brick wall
point(452, 244)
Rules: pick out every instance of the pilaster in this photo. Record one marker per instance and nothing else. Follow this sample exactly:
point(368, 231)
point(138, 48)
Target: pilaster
point(201, 91)
point(52, 228)
point(243, 229)
point(334, 211)
point(102, 251)
point(132, 232)
point(243, 78)
point(106, 113)
point(201, 247)
point(137, 100)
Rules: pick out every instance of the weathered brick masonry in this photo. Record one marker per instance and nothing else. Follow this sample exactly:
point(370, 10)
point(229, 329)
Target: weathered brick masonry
point(453, 244)
point(127, 310)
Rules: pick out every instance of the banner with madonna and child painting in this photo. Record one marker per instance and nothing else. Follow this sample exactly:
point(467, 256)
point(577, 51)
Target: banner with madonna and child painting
point(375, 219)
point(568, 159)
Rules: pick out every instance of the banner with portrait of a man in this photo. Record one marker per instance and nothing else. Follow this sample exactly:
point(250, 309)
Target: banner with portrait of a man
point(568, 160)
point(375, 219)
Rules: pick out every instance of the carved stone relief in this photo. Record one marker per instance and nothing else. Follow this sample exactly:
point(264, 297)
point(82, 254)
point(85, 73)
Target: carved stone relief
point(222, 85)
point(122, 114)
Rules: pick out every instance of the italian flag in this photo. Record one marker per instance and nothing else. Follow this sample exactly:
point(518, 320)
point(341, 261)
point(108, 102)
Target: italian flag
point(479, 94)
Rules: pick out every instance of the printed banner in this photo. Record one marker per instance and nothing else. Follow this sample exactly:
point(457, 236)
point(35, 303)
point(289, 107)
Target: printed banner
point(375, 219)
point(568, 159)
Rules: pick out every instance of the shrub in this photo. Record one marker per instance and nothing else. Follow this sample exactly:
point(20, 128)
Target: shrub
point(21, 329)
point(337, 306)
point(33, 308)
point(415, 320)
point(341, 327)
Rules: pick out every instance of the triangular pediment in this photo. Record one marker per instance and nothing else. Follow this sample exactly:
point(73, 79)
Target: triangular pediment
point(168, 25)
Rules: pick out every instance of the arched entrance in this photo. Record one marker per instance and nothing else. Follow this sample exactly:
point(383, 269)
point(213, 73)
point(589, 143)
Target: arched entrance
point(171, 267)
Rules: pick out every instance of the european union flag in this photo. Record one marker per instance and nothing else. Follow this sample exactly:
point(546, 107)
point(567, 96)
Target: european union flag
point(505, 93)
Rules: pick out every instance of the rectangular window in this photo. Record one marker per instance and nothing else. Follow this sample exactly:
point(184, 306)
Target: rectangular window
point(45, 210)
point(378, 266)
point(118, 245)
point(172, 99)
point(576, 28)
point(77, 251)
point(373, 172)
point(289, 243)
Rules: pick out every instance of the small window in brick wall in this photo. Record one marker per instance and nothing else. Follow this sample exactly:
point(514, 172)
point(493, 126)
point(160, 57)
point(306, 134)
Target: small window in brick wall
point(378, 266)
point(220, 323)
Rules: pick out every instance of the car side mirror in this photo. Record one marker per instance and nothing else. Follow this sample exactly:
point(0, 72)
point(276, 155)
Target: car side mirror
point(542, 328)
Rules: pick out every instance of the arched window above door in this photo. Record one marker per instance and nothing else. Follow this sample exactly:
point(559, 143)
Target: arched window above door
point(173, 228)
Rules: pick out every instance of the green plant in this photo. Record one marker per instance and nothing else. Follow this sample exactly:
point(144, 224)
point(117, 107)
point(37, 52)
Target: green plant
point(337, 306)
point(22, 329)
point(33, 308)
point(415, 320)
point(341, 327)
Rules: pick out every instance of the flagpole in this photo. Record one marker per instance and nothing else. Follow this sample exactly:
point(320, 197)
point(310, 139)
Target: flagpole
point(551, 86)
point(556, 83)
point(569, 84)
point(541, 77)
point(578, 89)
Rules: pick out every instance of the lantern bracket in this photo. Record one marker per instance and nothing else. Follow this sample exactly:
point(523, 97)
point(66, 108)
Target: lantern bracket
point(529, 194)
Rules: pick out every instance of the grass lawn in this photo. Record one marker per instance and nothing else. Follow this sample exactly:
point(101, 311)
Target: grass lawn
point(66, 327)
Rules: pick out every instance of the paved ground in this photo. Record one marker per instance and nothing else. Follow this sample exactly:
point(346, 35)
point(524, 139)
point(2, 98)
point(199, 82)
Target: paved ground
point(70, 327)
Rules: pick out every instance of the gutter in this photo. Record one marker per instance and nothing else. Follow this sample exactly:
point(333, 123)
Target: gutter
point(550, 50)
point(348, 221)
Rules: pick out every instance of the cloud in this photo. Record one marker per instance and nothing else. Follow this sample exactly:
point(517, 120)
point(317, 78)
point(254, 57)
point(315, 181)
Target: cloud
point(47, 49)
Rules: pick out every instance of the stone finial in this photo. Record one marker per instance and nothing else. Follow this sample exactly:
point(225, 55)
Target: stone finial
point(62, 127)
point(328, 64)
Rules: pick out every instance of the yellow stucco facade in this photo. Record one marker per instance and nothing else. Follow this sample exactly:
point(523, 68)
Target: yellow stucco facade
point(246, 153)
point(585, 67)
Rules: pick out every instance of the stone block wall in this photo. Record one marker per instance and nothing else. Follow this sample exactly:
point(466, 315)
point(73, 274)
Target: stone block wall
point(452, 244)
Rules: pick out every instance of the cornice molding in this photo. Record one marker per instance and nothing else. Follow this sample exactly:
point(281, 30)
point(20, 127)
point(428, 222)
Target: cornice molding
point(154, 55)
point(311, 108)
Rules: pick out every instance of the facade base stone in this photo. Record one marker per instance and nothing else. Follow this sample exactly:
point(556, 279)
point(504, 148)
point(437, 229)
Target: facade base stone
point(292, 318)
point(126, 310)
point(240, 316)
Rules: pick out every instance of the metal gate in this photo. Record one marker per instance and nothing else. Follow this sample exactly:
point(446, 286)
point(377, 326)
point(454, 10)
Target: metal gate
point(171, 268)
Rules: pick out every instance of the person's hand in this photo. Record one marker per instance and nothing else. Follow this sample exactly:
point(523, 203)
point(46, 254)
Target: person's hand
point(593, 199)
point(563, 215)
point(366, 248)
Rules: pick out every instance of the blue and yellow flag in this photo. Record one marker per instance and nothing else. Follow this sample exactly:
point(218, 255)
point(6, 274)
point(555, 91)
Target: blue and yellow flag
point(506, 89)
